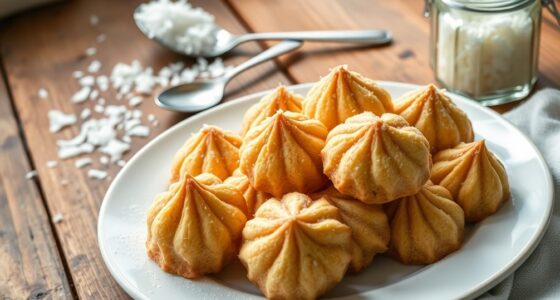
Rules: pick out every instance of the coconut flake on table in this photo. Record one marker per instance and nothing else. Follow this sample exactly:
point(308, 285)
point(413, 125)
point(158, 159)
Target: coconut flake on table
point(140, 130)
point(104, 160)
point(31, 174)
point(115, 149)
point(57, 218)
point(101, 101)
point(91, 51)
point(94, 66)
point(82, 162)
point(121, 162)
point(101, 38)
point(77, 74)
point(72, 151)
point(179, 24)
point(135, 101)
point(81, 95)
point(103, 83)
point(59, 120)
point(43, 93)
point(93, 95)
point(97, 174)
point(52, 164)
point(86, 113)
point(98, 108)
point(87, 81)
point(93, 20)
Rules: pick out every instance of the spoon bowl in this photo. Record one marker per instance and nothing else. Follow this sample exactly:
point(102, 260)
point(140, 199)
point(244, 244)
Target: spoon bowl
point(192, 97)
point(205, 93)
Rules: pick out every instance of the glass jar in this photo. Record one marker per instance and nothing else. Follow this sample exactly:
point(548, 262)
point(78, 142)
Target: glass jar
point(486, 50)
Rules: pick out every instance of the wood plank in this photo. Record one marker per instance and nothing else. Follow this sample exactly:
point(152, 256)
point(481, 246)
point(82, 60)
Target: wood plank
point(30, 264)
point(45, 56)
point(407, 59)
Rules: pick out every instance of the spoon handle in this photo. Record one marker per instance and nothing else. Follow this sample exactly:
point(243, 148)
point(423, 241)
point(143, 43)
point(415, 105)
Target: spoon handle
point(370, 37)
point(272, 52)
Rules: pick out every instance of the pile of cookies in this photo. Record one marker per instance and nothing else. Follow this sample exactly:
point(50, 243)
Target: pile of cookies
point(316, 187)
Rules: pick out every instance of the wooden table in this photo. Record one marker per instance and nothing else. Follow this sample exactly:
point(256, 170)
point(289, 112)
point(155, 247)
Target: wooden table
point(41, 48)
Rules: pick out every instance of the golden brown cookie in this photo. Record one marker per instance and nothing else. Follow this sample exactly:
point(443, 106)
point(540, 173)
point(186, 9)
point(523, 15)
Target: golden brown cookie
point(370, 228)
point(280, 99)
point(431, 111)
point(212, 150)
point(295, 248)
point(283, 154)
point(425, 227)
point(475, 177)
point(342, 94)
point(377, 159)
point(253, 198)
point(195, 227)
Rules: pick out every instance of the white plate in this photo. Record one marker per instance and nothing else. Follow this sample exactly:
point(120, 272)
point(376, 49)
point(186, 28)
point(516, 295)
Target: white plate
point(492, 249)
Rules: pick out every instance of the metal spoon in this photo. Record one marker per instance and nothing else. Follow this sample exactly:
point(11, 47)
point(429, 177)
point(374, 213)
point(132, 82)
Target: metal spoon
point(205, 93)
point(225, 41)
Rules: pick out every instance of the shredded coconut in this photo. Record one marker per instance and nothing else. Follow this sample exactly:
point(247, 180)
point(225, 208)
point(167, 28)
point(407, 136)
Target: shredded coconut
point(104, 160)
point(82, 162)
point(135, 101)
point(179, 24)
point(87, 81)
point(101, 38)
point(93, 20)
point(72, 151)
point(91, 51)
point(59, 120)
point(94, 66)
point(97, 174)
point(31, 174)
point(52, 164)
point(81, 95)
point(86, 113)
point(93, 95)
point(77, 74)
point(43, 93)
point(57, 218)
point(141, 131)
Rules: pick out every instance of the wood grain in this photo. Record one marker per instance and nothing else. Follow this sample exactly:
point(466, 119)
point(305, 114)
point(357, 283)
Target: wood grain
point(406, 60)
point(44, 57)
point(30, 265)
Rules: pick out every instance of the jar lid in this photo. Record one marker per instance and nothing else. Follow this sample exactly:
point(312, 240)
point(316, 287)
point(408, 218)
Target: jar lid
point(488, 5)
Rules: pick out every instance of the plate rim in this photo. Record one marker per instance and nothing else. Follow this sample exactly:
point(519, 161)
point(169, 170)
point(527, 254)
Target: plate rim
point(475, 291)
